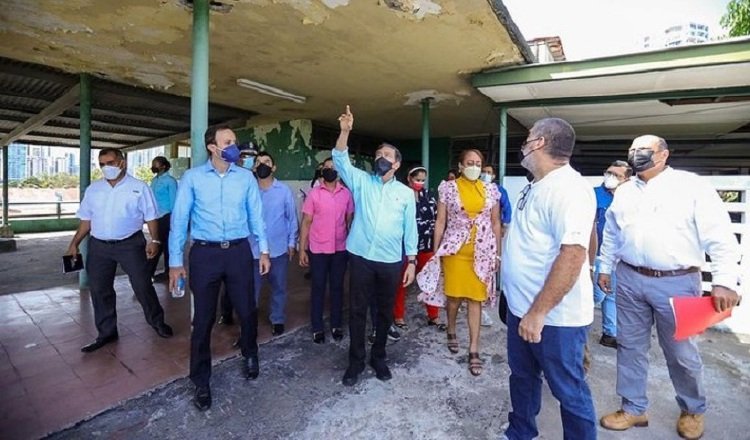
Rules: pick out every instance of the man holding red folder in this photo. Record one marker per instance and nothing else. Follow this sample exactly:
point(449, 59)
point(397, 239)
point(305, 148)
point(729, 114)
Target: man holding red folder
point(658, 229)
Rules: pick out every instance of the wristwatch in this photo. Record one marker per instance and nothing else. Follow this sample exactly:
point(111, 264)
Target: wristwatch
point(412, 261)
point(156, 241)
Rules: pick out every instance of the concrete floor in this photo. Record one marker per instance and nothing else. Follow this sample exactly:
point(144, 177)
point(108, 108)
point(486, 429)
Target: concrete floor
point(298, 394)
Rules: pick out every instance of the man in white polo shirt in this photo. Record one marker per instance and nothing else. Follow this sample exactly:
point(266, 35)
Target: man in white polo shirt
point(114, 210)
point(546, 279)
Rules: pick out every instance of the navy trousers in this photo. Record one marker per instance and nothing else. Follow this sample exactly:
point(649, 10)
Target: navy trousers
point(327, 270)
point(209, 267)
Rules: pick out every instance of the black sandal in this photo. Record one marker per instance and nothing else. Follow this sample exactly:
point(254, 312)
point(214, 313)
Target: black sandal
point(435, 323)
point(452, 343)
point(402, 325)
point(475, 364)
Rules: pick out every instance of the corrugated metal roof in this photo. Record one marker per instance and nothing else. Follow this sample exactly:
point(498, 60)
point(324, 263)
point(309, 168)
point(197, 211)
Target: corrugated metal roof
point(122, 116)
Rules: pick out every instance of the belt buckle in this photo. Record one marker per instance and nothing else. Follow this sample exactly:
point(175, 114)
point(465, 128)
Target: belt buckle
point(657, 273)
point(224, 245)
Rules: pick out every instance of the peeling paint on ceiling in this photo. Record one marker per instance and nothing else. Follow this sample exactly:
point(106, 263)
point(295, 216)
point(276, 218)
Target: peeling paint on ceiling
point(335, 52)
point(415, 98)
point(418, 8)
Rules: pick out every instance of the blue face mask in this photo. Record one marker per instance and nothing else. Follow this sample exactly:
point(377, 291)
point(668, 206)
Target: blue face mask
point(248, 162)
point(230, 154)
point(382, 166)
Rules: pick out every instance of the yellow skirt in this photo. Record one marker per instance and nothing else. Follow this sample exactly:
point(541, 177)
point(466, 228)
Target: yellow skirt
point(460, 279)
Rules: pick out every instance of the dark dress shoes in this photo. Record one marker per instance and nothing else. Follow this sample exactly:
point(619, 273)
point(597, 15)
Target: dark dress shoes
point(226, 320)
point(250, 367)
point(608, 341)
point(319, 337)
point(278, 329)
point(382, 372)
point(351, 376)
point(202, 398)
point(337, 334)
point(99, 343)
point(164, 330)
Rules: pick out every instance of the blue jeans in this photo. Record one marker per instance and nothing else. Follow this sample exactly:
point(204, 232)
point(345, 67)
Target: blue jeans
point(560, 357)
point(609, 309)
point(277, 278)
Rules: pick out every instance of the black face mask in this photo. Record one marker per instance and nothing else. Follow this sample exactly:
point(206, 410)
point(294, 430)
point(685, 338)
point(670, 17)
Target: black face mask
point(382, 166)
point(263, 171)
point(329, 174)
point(641, 160)
point(155, 170)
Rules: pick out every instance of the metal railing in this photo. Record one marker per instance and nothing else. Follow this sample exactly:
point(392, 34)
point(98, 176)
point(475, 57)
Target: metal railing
point(40, 210)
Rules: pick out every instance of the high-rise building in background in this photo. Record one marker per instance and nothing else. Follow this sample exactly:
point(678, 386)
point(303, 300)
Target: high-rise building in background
point(17, 161)
point(683, 34)
point(33, 160)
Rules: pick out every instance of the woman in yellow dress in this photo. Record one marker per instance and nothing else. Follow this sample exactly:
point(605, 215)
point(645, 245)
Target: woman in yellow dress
point(467, 241)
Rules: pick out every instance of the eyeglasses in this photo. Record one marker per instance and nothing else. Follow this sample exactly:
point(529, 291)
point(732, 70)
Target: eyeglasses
point(522, 201)
point(610, 173)
point(526, 142)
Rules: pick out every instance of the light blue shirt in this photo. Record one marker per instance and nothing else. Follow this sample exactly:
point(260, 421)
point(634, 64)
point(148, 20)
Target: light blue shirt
point(164, 188)
point(280, 217)
point(217, 209)
point(385, 214)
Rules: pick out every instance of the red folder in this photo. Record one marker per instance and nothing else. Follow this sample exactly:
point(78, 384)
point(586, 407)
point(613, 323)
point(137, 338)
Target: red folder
point(693, 315)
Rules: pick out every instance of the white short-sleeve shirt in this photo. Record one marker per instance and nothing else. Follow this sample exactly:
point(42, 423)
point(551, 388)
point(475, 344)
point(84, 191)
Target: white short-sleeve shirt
point(559, 210)
point(117, 212)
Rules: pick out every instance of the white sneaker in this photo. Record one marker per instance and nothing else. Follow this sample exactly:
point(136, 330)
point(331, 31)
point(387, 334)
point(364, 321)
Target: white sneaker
point(486, 320)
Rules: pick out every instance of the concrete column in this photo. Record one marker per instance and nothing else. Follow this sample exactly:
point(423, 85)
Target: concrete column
point(173, 151)
point(503, 135)
point(426, 138)
point(199, 85)
point(85, 164)
point(6, 181)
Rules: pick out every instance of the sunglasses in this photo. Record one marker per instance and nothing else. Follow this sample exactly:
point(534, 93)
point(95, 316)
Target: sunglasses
point(522, 201)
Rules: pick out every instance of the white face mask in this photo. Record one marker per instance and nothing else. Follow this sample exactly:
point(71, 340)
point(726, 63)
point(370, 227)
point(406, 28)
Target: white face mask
point(486, 178)
point(611, 182)
point(111, 172)
point(472, 173)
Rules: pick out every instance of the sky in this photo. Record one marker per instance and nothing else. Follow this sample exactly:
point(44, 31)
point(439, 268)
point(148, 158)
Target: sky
point(597, 28)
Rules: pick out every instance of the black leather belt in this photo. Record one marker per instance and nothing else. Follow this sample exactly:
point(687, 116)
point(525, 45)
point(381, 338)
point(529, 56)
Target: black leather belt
point(220, 244)
point(662, 273)
point(116, 241)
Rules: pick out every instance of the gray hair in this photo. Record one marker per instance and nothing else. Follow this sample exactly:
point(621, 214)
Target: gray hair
point(559, 136)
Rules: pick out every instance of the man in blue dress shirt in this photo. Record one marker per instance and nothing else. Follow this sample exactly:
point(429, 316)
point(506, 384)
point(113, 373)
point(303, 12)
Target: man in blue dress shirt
point(385, 225)
point(280, 217)
point(222, 207)
point(164, 187)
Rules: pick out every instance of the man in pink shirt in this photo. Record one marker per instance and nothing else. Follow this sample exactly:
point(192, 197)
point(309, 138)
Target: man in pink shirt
point(326, 217)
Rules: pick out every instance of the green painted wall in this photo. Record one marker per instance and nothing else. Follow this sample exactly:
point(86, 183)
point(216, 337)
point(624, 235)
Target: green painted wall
point(411, 150)
point(288, 143)
point(44, 225)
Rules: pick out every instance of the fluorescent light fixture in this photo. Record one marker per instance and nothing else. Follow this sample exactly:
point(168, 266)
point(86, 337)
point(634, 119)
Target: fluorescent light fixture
point(270, 90)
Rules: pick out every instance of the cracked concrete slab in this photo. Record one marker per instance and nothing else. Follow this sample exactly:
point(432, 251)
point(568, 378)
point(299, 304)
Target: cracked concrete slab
point(431, 396)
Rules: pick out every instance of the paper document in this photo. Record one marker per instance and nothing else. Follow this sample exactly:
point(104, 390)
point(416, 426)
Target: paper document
point(693, 315)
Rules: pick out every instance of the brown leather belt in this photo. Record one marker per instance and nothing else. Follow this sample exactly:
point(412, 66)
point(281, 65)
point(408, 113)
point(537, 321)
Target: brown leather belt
point(662, 273)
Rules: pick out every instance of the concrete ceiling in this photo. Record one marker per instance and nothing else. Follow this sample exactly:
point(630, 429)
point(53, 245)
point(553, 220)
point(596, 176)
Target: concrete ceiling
point(380, 56)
